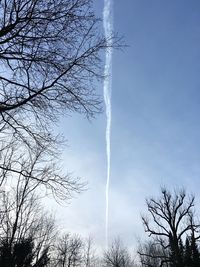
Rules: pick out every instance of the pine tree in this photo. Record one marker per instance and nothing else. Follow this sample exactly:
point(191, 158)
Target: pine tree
point(21, 254)
point(176, 252)
point(187, 254)
point(181, 252)
point(6, 258)
point(195, 252)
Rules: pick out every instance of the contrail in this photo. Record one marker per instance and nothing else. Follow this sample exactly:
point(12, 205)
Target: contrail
point(108, 29)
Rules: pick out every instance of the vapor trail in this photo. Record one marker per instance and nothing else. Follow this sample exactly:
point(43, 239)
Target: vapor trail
point(108, 29)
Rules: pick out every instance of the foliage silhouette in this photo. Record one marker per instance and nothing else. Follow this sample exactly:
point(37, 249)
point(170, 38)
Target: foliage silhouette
point(172, 221)
point(21, 254)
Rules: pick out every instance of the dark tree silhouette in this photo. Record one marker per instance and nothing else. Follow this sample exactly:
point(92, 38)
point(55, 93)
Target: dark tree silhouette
point(21, 254)
point(191, 252)
point(50, 61)
point(188, 253)
point(152, 254)
point(50, 57)
point(172, 219)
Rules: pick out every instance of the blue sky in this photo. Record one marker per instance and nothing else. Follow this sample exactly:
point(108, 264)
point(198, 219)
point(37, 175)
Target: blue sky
point(155, 137)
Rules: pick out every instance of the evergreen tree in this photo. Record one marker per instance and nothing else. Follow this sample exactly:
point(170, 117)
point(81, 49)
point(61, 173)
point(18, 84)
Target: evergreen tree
point(187, 254)
point(195, 252)
point(6, 259)
point(43, 260)
point(176, 251)
point(181, 251)
point(21, 254)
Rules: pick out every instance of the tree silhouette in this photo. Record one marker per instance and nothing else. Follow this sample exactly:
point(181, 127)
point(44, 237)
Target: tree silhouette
point(192, 253)
point(188, 253)
point(117, 255)
point(27, 233)
point(21, 254)
point(69, 251)
point(50, 52)
point(152, 254)
point(172, 218)
point(50, 62)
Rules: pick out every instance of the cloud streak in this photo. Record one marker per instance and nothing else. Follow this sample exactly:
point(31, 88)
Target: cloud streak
point(108, 29)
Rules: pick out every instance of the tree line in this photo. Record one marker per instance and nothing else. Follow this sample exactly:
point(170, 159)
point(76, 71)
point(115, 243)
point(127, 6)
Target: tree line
point(29, 236)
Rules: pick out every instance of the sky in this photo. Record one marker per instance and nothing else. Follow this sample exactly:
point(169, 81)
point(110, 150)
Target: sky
point(155, 135)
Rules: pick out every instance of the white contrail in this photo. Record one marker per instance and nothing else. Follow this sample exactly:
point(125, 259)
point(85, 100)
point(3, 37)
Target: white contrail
point(108, 28)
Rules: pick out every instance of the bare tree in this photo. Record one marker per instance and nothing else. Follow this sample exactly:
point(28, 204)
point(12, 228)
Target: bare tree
point(117, 256)
point(152, 254)
point(50, 61)
point(172, 220)
point(37, 170)
point(50, 58)
point(24, 225)
point(69, 251)
point(90, 255)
